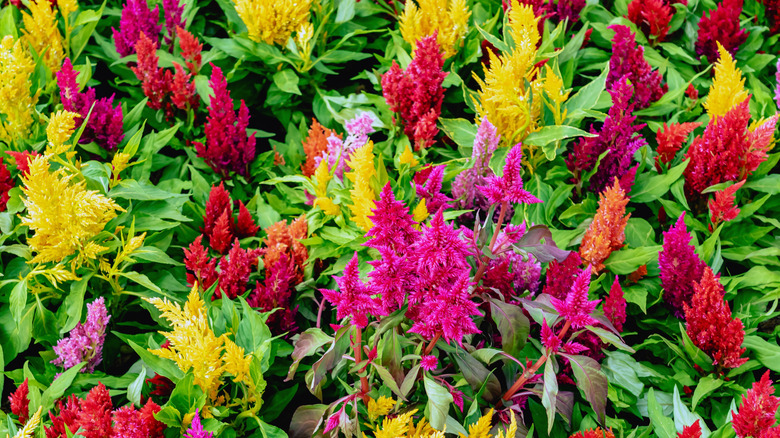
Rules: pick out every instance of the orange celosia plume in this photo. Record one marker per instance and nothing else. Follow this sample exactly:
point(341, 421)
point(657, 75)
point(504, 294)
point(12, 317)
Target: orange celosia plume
point(607, 231)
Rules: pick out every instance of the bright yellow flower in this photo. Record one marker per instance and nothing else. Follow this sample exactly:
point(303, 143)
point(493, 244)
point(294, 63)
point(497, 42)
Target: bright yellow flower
point(553, 88)
point(728, 87)
point(119, 163)
point(274, 21)
point(16, 103)
point(396, 427)
point(420, 212)
point(323, 176)
point(407, 157)
point(447, 17)
point(504, 99)
point(64, 215)
point(40, 30)
point(379, 408)
point(67, 7)
point(32, 424)
point(480, 429)
point(236, 362)
point(512, 430)
point(362, 164)
point(303, 36)
point(60, 128)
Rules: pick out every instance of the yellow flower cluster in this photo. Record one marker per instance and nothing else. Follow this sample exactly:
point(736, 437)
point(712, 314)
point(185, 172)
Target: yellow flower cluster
point(273, 22)
point(16, 103)
point(194, 346)
point(67, 7)
point(40, 30)
point(509, 104)
point(447, 17)
point(403, 426)
point(362, 164)
point(323, 176)
point(481, 429)
point(407, 157)
point(728, 87)
point(60, 128)
point(28, 431)
point(379, 407)
point(63, 214)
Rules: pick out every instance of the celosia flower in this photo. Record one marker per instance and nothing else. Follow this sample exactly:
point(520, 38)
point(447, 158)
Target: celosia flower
point(615, 306)
point(94, 414)
point(670, 139)
point(723, 207)
point(6, 184)
point(569, 10)
point(607, 231)
point(777, 83)
point(272, 22)
point(67, 7)
point(183, 93)
point(31, 426)
point(393, 276)
point(416, 93)
point(154, 80)
point(594, 433)
point(16, 103)
point(63, 215)
point(618, 136)
point(315, 144)
point(276, 293)
point(756, 415)
point(353, 297)
point(710, 325)
point(628, 61)
point(203, 268)
point(20, 403)
point(190, 50)
point(427, 184)
point(234, 271)
point(393, 228)
point(439, 254)
point(362, 165)
point(561, 275)
point(464, 188)
point(128, 424)
point(550, 340)
point(321, 198)
point(286, 239)
point(447, 311)
point(196, 429)
point(104, 126)
point(155, 427)
point(58, 131)
point(728, 86)
point(692, 92)
point(503, 98)
point(447, 19)
point(429, 363)
point(509, 187)
point(136, 18)
point(721, 27)
point(339, 150)
point(652, 17)
point(692, 431)
point(227, 148)
point(85, 342)
point(173, 10)
point(680, 267)
point(576, 309)
point(41, 32)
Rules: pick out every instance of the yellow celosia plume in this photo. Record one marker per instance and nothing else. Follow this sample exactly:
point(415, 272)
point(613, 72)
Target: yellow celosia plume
point(323, 176)
point(728, 86)
point(273, 22)
point(63, 214)
point(481, 429)
point(32, 424)
point(60, 128)
point(362, 164)
point(67, 7)
point(407, 157)
point(425, 17)
point(380, 407)
point(16, 103)
point(40, 30)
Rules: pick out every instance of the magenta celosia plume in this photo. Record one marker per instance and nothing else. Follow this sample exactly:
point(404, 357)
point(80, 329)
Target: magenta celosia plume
point(576, 309)
point(196, 429)
point(136, 18)
point(173, 10)
point(6, 184)
point(628, 60)
point(509, 186)
point(354, 298)
point(464, 188)
point(680, 267)
point(615, 306)
point(427, 184)
point(721, 26)
point(85, 342)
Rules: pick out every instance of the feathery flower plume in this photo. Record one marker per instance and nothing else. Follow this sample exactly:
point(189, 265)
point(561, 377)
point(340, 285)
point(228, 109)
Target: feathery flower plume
point(6, 184)
point(728, 86)
point(92, 415)
point(723, 207)
point(63, 215)
point(353, 297)
point(550, 340)
point(416, 93)
point(31, 426)
point(190, 50)
point(197, 261)
point(362, 165)
point(652, 17)
point(154, 80)
point(315, 144)
point(448, 311)
point(393, 228)
point(196, 429)
point(446, 19)
point(173, 10)
point(680, 267)
point(710, 324)
point(136, 18)
point(509, 187)
point(670, 139)
point(16, 103)
point(104, 126)
point(286, 239)
point(576, 308)
point(615, 306)
point(429, 363)
point(272, 22)
point(692, 92)
point(628, 61)
point(618, 136)
point(561, 275)
point(569, 10)
point(276, 293)
point(20, 402)
point(227, 148)
point(464, 188)
point(339, 150)
point(58, 131)
point(321, 198)
point(234, 271)
point(692, 431)
point(85, 342)
point(756, 415)
point(67, 7)
point(183, 93)
point(607, 231)
point(427, 184)
point(41, 32)
point(721, 27)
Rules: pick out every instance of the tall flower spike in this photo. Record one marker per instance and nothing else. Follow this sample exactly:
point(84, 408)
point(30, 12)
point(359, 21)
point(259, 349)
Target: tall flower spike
point(576, 308)
point(190, 50)
point(464, 188)
point(721, 27)
point(362, 165)
point(234, 271)
point(43, 35)
point(85, 342)
point(710, 324)
point(31, 426)
point(680, 267)
point(628, 61)
point(728, 86)
point(615, 306)
point(692, 431)
point(153, 79)
point(549, 339)
point(393, 228)
point(670, 139)
point(20, 402)
point(173, 11)
point(448, 311)
point(6, 184)
point(723, 207)
point(353, 297)
point(315, 144)
point(272, 22)
point(594, 433)
point(652, 17)
point(427, 184)
point(509, 186)
point(756, 415)
point(447, 19)
point(607, 231)
point(16, 103)
point(136, 18)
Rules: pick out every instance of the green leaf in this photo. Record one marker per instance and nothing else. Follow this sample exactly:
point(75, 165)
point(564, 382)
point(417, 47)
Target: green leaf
point(306, 345)
point(610, 338)
point(768, 184)
point(512, 324)
point(586, 98)
point(649, 187)
point(287, 81)
point(662, 425)
point(477, 375)
point(74, 302)
point(187, 396)
point(59, 385)
point(684, 417)
point(548, 136)
point(388, 379)
point(699, 357)
point(626, 261)
point(132, 189)
point(346, 11)
point(305, 420)
point(439, 400)
point(252, 330)
point(550, 394)
point(134, 390)
point(591, 381)
point(706, 385)
point(461, 131)
point(766, 353)
point(18, 299)
point(163, 367)
point(141, 279)
point(154, 255)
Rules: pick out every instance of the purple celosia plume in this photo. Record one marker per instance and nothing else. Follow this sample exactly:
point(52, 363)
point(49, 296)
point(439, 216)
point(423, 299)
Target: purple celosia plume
point(777, 83)
point(576, 309)
point(618, 136)
point(353, 297)
point(136, 18)
point(85, 342)
point(228, 148)
point(339, 150)
point(196, 429)
point(628, 60)
point(509, 187)
point(427, 184)
point(104, 126)
point(464, 188)
point(174, 18)
point(680, 267)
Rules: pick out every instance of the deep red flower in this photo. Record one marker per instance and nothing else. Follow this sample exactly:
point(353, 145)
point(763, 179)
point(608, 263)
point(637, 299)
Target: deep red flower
point(692, 431)
point(652, 17)
point(234, 271)
point(670, 139)
point(723, 207)
point(20, 404)
point(756, 415)
point(6, 184)
point(722, 25)
point(594, 433)
point(615, 306)
point(190, 50)
point(94, 416)
point(197, 261)
point(154, 81)
point(628, 61)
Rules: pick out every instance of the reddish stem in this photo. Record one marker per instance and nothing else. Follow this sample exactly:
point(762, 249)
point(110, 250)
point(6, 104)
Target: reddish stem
point(483, 260)
point(358, 347)
point(429, 348)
